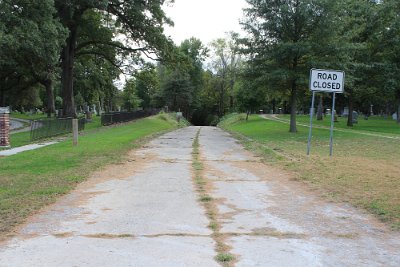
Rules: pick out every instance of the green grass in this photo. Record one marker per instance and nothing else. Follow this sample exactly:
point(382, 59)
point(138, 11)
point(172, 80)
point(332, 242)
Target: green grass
point(27, 116)
point(35, 178)
point(224, 257)
point(364, 169)
point(375, 124)
point(24, 138)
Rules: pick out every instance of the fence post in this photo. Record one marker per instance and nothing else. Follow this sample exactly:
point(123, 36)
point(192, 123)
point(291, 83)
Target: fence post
point(75, 131)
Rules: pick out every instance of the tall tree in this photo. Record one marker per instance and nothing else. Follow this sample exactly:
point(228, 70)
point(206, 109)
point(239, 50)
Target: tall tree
point(387, 42)
point(225, 64)
point(30, 42)
point(285, 35)
point(140, 21)
point(147, 84)
point(359, 24)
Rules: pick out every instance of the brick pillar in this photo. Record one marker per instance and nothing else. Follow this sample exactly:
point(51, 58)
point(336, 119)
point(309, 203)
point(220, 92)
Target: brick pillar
point(4, 127)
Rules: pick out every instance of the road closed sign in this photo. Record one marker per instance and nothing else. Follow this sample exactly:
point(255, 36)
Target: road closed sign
point(327, 81)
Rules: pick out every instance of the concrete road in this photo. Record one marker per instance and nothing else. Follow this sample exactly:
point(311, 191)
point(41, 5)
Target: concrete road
point(19, 125)
point(145, 212)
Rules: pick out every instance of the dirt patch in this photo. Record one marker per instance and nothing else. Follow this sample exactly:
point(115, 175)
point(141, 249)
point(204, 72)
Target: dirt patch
point(63, 235)
point(109, 236)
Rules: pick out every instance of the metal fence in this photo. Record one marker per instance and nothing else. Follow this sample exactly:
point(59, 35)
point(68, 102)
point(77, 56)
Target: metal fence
point(118, 117)
point(52, 127)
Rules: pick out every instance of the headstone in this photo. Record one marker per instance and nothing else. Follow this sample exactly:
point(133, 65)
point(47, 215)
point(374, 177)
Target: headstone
point(394, 116)
point(179, 115)
point(4, 127)
point(94, 109)
point(355, 117)
point(88, 116)
point(345, 112)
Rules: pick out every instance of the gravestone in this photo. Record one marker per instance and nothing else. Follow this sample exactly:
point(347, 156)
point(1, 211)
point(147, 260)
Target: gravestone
point(345, 112)
point(94, 109)
point(179, 115)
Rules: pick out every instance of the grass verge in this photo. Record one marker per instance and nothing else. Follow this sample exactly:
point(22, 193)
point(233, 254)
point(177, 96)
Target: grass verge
point(202, 187)
point(363, 171)
point(32, 179)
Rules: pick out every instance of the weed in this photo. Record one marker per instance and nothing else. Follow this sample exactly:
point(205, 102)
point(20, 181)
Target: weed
point(205, 198)
point(224, 257)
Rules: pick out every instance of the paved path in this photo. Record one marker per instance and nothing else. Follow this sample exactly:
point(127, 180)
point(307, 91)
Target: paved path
point(17, 125)
point(145, 212)
point(16, 150)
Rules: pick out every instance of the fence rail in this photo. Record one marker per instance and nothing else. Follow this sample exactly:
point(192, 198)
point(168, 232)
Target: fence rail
point(52, 127)
point(118, 117)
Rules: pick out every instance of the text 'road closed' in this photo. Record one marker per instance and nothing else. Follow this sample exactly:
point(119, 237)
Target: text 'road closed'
point(326, 81)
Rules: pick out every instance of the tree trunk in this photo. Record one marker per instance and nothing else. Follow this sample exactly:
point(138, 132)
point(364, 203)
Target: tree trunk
point(51, 107)
point(67, 75)
point(398, 111)
point(2, 98)
point(273, 106)
point(247, 115)
point(320, 110)
point(221, 100)
point(293, 109)
point(350, 116)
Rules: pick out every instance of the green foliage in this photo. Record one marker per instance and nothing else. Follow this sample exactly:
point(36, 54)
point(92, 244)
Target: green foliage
point(130, 97)
point(224, 257)
point(182, 81)
point(30, 42)
point(284, 37)
point(225, 65)
point(147, 85)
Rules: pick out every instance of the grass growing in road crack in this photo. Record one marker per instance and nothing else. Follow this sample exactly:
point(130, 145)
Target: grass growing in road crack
point(202, 187)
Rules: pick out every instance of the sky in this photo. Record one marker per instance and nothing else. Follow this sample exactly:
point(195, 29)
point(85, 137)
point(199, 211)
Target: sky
point(206, 20)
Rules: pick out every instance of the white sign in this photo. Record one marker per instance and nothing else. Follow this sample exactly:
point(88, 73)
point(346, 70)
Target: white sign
point(327, 81)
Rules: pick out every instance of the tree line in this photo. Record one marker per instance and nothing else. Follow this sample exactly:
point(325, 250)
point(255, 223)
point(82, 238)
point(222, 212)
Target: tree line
point(67, 54)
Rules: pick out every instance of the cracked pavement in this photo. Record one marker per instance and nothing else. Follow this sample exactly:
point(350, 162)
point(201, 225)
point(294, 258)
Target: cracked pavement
point(146, 212)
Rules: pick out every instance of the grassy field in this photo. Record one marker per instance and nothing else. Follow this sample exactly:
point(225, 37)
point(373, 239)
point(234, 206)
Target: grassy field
point(363, 171)
point(374, 124)
point(24, 138)
point(32, 179)
point(27, 116)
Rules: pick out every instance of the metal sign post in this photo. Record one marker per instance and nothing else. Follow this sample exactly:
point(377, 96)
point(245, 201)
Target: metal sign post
point(332, 123)
point(311, 118)
point(330, 81)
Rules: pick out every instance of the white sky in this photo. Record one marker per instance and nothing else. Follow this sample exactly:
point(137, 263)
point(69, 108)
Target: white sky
point(206, 20)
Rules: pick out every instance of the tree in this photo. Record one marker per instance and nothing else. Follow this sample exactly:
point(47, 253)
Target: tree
point(359, 24)
point(251, 94)
point(225, 64)
point(285, 36)
point(140, 21)
point(388, 44)
point(178, 91)
point(181, 79)
point(130, 97)
point(30, 42)
point(147, 84)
